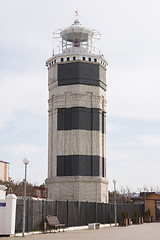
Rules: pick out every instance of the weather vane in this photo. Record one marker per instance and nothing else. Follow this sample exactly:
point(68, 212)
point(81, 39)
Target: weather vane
point(76, 12)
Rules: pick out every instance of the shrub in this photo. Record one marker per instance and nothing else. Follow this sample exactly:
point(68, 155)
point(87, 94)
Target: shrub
point(123, 215)
point(149, 212)
point(136, 213)
point(146, 214)
point(139, 214)
point(127, 214)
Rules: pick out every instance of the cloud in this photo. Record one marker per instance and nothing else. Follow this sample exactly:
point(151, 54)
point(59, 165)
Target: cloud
point(133, 167)
point(22, 93)
point(112, 127)
point(26, 149)
point(130, 43)
point(133, 95)
point(149, 140)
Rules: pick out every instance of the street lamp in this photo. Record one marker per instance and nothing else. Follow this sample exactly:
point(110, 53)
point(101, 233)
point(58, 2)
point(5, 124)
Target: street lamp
point(115, 205)
point(25, 161)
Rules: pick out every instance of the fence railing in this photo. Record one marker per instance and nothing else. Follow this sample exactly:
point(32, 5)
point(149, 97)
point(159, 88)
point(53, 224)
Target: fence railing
point(70, 213)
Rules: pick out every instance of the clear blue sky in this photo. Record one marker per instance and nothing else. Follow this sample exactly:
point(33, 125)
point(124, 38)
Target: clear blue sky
point(130, 41)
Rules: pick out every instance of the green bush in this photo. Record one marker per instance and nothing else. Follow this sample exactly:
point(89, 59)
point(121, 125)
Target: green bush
point(136, 213)
point(146, 214)
point(149, 212)
point(127, 214)
point(123, 215)
point(139, 214)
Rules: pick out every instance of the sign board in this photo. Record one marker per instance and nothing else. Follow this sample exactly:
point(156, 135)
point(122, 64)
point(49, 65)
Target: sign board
point(2, 204)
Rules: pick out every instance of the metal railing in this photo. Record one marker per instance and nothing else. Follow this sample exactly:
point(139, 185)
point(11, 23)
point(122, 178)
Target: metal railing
point(90, 50)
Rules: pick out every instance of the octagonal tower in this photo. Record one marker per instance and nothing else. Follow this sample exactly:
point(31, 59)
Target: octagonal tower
point(77, 113)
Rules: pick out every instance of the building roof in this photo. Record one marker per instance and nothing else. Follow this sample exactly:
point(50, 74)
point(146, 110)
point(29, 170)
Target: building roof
point(153, 196)
point(142, 194)
point(4, 162)
point(135, 195)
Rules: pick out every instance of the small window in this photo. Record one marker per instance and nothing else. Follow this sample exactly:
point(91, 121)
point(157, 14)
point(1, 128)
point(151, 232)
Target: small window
point(54, 61)
point(67, 58)
point(74, 58)
point(61, 59)
point(95, 60)
point(101, 62)
point(84, 58)
point(89, 59)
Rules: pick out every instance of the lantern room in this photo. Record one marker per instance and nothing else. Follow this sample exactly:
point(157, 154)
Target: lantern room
point(77, 38)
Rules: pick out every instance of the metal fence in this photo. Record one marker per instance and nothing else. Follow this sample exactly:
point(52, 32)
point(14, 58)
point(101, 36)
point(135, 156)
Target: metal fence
point(70, 213)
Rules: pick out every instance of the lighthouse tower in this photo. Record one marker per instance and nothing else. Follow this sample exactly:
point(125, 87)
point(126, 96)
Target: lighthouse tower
point(77, 113)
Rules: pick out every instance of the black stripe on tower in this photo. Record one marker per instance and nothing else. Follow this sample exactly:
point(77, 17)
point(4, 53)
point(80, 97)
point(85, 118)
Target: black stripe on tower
point(80, 73)
point(81, 118)
point(80, 165)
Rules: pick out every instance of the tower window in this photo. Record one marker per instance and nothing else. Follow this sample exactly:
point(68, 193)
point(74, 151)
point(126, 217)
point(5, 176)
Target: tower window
point(54, 61)
point(84, 58)
point(67, 58)
point(95, 60)
point(76, 43)
point(74, 58)
point(61, 59)
point(89, 59)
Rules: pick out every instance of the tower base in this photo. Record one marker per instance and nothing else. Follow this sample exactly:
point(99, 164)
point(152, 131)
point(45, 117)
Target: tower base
point(76, 188)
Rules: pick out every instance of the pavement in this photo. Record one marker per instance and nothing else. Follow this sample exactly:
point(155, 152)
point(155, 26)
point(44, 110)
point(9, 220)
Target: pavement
point(146, 231)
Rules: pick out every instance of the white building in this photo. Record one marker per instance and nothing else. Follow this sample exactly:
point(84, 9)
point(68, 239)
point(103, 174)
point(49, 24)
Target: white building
point(4, 171)
point(77, 112)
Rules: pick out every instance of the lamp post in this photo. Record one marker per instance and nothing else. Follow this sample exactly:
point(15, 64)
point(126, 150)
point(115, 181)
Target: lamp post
point(145, 190)
point(115, 205)
point(144, 203)
point(25, 161)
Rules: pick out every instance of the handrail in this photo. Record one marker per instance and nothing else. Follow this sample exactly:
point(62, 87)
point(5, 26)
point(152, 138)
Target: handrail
point(90, 50)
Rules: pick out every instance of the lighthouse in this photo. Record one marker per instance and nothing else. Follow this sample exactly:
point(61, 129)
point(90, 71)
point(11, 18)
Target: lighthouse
point(77, 117)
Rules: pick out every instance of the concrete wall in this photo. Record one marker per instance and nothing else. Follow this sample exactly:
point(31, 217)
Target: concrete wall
point(8, 215)
point(150, 204)
point(4, 171)
point(2, 191)
point(78, 188)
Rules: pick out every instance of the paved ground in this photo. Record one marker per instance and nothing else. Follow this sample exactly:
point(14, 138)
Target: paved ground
point(147, 231)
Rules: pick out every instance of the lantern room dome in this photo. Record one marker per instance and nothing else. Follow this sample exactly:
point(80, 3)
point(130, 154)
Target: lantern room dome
point(76, 31)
